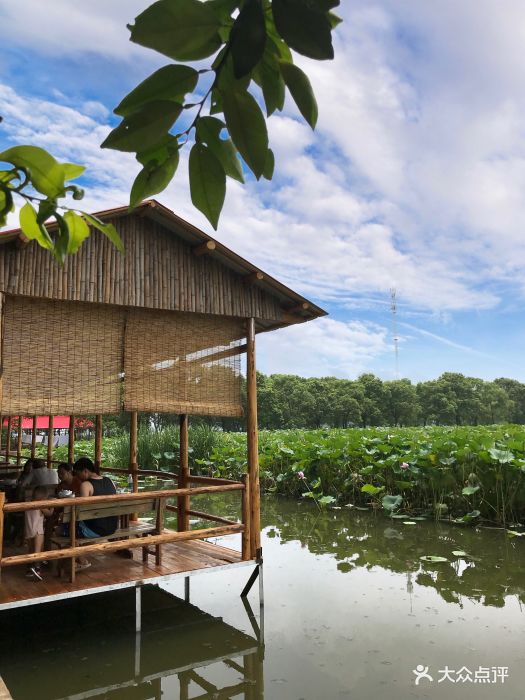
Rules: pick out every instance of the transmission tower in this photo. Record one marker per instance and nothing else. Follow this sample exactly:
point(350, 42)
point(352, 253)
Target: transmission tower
point(395, 337)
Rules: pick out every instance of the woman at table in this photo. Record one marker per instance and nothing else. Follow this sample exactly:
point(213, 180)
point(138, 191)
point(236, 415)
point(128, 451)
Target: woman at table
point(68, 480)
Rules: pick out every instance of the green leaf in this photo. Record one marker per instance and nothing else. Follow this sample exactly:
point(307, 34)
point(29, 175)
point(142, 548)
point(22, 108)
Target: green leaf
point(153, 179)
point(304, 27)
point(207, 182)
point(501, 456)
point(78, 231)
point(107, 229)
point(459, 553)
point(72, 170)
point(163, 150)
point(334, 20)
point(391, 503)
point(223, 8)
point(32, 229)
point(247, 127)
point(208, 131)
point(186, 30)
point(301, 90)
point(248, 38)
point(269, 166)
point(61, 239)
point(168, 83)
point(145, 128)
point(433, 559)
point(469, 490)
point(268, 76)
point(326, 500)
point(371, 489)
point(47, 175)
point(6, 205)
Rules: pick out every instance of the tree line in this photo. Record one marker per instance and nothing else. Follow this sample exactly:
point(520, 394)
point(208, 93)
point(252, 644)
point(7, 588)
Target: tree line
point(287, 401)
point(290, 401)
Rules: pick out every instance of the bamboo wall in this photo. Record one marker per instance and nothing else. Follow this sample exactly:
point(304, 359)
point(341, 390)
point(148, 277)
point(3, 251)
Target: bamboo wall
point(158, 271)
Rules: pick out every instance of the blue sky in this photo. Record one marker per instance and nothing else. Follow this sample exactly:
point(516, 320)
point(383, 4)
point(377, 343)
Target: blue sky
point(414, 178)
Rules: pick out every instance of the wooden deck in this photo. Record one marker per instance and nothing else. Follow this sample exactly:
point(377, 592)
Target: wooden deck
point(110, 572)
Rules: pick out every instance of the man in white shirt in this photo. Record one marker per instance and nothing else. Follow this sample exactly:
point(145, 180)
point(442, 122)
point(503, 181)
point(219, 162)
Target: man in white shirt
point(41, 475)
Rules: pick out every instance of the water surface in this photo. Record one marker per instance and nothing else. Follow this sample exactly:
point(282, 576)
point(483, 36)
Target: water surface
point(350, 611)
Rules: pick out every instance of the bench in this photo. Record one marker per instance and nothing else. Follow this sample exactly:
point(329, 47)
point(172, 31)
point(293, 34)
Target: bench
point(73, 514)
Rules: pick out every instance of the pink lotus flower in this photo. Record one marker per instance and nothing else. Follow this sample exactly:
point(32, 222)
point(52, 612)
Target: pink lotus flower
point(301, 475)
point(404, 465)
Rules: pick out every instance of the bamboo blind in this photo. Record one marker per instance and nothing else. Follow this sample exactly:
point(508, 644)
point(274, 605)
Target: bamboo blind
point(72, 358)
point(180, 363)
point(60, 357)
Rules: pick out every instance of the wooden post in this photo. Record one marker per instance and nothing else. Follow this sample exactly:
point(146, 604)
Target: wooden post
point(8, 440)
point(98, 441)
point(33, 438)
point(50, 440)
point(71, 440)
point(19, 441)
point(133, 449)
point(133, 454)
point(73, 541)
point(183, 503)
point(246, 517)
point(253, 440)
point(2, 499)
point(1, 429)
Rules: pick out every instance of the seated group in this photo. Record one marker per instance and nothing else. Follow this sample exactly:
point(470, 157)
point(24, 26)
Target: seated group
point(81, 479)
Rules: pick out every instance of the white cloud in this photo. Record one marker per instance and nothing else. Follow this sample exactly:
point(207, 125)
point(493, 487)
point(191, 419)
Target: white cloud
point(324, 347)
point(70, 27)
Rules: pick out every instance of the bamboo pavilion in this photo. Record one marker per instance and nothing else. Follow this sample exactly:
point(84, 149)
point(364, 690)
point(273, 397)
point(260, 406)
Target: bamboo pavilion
point(160, 328)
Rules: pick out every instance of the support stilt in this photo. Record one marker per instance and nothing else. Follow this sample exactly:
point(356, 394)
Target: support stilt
point(138, 609)
point(256, 573)
point(187, 589)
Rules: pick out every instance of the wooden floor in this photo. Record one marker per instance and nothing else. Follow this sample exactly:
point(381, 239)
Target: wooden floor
point(109, 571)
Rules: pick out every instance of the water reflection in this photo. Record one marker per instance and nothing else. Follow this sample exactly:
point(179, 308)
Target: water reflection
point(88, 649)
point(490, 568)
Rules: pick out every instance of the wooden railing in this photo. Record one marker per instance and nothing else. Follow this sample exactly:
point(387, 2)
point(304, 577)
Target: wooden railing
point(227, 527)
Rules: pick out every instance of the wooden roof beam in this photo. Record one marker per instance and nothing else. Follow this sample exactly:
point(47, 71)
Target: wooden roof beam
point(299, 309)
point(253, 277)
point(204, 248)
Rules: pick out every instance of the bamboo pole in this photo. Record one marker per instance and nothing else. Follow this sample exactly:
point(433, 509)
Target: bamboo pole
point(183, 503)
point(71, 440)
point(115, 545)
point(33, 438)
point(18, 507)
point(133, 449)
point(2, 500)
point(1, 429)
point(19, 441)
point(246, 516)
point(98, 440)
point(8, 440)
point(253, 441)
point(50, 441)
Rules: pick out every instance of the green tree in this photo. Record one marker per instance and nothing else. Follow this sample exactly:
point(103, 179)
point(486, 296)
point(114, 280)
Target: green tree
point(373, 405)
point(515, 392)
point(402, 403)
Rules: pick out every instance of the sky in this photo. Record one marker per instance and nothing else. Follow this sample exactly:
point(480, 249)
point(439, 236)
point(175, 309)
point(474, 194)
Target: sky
point(414, 178)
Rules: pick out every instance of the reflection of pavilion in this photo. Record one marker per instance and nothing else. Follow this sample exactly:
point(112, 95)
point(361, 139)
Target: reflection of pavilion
point(92, 651)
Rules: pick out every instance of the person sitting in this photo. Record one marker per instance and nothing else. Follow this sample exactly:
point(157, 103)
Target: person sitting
point(34, 529)
point(92, 484)
point(41, 475)
point(68, 481)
